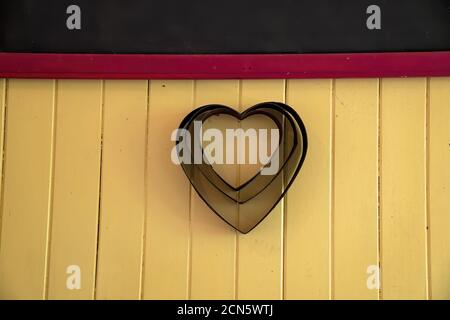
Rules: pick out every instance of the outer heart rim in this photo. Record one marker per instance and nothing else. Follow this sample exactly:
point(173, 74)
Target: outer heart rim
point(304, 136)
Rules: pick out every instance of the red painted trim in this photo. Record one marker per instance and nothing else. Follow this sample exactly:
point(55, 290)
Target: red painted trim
point(241, 66)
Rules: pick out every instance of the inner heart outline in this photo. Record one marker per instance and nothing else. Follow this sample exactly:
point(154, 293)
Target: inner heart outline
point(220, 109)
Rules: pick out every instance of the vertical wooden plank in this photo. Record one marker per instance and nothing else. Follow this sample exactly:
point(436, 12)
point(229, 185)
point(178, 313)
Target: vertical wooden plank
point(213, 241)
point(75, 187)
point(2, 139)
point(122, 197)
point(403, 216)
point(168, 196)
point(260, 252)
point(308, 202)
point(439, 187)
point(27, 185)
point(356, 188)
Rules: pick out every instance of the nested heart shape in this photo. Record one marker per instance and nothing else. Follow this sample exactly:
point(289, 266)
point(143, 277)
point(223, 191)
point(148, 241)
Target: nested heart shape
point(244, 146)
point(244, 206)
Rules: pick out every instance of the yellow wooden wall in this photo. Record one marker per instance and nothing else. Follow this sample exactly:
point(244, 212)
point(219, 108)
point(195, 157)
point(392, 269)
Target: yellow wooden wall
point(87, 180)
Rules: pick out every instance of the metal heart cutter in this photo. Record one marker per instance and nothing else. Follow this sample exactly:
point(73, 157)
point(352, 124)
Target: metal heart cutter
point(246, 204)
